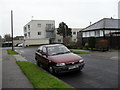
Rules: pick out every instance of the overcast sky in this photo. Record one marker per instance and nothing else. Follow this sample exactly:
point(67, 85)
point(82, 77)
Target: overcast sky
point(75, 13)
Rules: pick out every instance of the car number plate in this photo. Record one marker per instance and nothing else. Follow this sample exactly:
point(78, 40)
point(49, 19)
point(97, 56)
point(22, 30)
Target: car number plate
point(72, 67)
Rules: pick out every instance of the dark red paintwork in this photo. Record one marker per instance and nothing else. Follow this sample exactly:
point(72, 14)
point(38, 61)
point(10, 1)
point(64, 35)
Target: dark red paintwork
point(64, 58)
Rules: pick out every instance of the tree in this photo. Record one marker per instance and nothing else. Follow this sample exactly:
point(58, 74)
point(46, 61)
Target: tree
point(63, 30)
point(7, 37)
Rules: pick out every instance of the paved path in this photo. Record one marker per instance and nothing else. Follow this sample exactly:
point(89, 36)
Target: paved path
point(12, 74)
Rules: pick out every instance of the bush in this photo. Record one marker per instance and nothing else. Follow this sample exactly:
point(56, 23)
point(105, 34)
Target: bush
point(75, 45)
point(66, 40)
point(71, 46)
point(78, 44)
point(86, 46)
point(102, 45)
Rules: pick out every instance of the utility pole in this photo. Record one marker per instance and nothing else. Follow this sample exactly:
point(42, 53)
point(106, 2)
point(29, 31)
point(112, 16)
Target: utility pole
point(12, 28)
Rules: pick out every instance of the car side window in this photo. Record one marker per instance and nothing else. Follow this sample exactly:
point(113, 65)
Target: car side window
point(44, 49)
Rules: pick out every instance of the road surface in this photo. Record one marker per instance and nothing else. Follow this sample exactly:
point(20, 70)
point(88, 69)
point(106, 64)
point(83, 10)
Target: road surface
point(99, 72)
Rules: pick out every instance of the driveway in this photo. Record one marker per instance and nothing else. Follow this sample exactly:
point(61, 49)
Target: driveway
point(99, 71)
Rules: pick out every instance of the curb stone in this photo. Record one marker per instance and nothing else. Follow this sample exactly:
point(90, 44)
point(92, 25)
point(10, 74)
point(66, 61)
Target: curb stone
point(19, 58)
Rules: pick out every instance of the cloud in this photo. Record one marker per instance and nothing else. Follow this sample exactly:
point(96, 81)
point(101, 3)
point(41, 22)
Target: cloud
point(75, 13)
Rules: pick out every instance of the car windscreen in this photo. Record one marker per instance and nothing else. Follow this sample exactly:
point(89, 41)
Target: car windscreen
point(55, 50)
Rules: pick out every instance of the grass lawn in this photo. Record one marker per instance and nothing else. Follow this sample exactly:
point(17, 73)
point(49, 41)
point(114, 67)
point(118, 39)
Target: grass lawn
point(79, 52)
point(11, 52)
point(39, 78)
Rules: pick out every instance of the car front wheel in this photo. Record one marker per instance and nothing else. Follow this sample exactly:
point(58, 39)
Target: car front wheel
point(51, 70)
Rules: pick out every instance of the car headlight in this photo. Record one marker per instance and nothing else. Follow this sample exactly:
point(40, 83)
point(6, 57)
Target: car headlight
point(81, 60)
point(60, 64)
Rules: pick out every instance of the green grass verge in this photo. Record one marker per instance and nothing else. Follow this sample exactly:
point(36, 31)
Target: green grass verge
point(80, 52)
point(11, 52)
point(39, 78)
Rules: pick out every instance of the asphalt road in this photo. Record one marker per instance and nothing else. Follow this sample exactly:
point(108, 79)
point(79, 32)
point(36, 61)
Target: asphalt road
point(99, 72)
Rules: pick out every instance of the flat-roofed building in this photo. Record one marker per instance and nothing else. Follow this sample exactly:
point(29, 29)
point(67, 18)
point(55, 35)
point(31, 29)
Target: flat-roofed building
point(38, 32)
point(74, 34)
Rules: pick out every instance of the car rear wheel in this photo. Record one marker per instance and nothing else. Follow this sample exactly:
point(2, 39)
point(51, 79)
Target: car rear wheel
point(38, 63)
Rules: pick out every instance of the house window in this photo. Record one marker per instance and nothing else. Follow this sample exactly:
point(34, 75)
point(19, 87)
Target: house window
point(91, 33)
point(28, 34)
point(101, 33)
point(74, 40)
point(38, 25)
point(25, 29)
point(83, 34)
point(29, 27)
point(49, 25)
point(74, 33)
point(39, 33)
point(59, 40)
point(107, 31)
point(25, 35)
point(97, 33)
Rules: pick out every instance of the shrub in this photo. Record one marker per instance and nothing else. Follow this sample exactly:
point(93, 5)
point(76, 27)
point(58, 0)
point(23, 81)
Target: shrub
point(78, 44)
point(66, 40)
point(86, 46)
point(102, 45)
point(71, 45)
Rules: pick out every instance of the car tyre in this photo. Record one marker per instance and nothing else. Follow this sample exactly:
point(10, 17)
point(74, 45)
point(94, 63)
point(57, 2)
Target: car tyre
point(38, 63)
point(51, 70)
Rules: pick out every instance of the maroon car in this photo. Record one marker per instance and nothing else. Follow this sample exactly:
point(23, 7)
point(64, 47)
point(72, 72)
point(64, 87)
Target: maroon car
point(58, 59)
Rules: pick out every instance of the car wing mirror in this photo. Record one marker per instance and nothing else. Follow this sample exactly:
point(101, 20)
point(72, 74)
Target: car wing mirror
point(39, 51)
point(71, 50)
point(43, 53)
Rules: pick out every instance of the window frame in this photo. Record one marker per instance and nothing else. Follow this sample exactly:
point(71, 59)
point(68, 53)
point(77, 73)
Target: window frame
point(39, 25)
point(39, 33)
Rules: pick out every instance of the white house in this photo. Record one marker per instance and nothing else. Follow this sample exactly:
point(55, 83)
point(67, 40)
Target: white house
point(74, 34)
point(106, 28)
point(103, 27)
point(39, 32)
point(58, 38)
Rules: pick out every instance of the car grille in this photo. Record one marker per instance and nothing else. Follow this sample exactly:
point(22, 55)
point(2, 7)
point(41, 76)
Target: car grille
point(72, 63)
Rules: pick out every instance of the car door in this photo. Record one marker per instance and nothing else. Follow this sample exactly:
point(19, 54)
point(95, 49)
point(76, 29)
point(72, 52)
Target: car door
point(38, 54)
point(44, 58)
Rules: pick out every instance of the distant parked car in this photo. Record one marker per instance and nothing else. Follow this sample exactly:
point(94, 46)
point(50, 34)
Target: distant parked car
point(17, 44)
point(20, 45)
point(57, 58)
